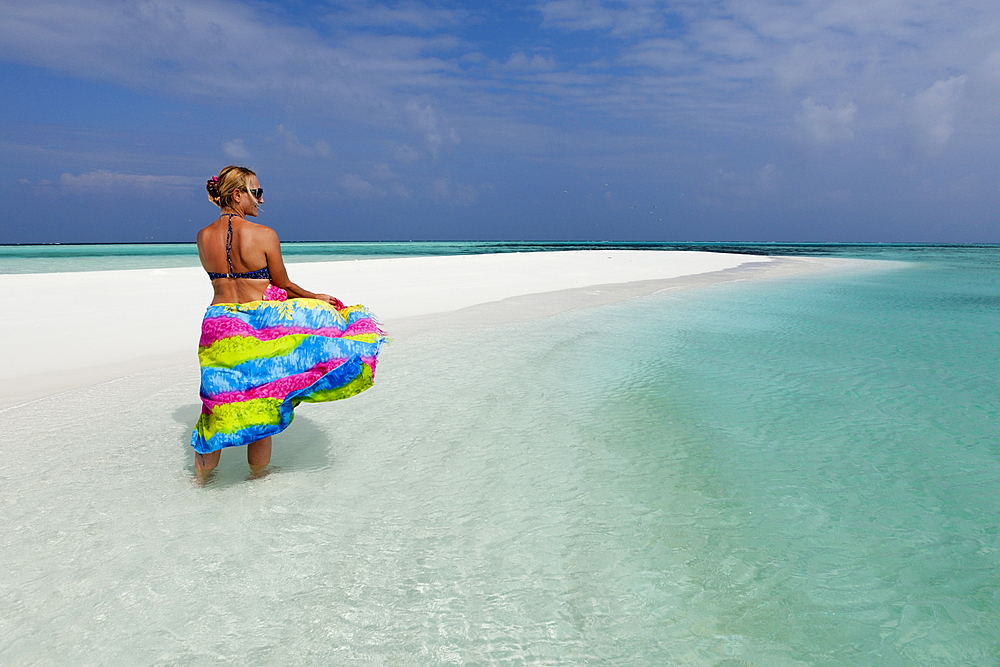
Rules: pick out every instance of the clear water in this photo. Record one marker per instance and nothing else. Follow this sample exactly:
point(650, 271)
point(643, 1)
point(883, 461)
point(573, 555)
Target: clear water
point(800, 471)
point(105, 257)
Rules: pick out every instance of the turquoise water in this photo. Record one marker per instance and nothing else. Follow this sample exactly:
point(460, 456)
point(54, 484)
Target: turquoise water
point(794, 471)
point(822, 455)
point(105, 257)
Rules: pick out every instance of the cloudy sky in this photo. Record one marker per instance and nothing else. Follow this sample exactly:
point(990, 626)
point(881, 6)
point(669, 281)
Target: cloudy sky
point(730, 120)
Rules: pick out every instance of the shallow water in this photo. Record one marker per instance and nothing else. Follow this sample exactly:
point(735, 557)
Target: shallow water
point(839, 443)
point(798, 471)
point(56, 258)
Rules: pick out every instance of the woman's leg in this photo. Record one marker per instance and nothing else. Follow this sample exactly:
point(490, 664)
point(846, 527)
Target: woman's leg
point(204, 464)
point(259, 455)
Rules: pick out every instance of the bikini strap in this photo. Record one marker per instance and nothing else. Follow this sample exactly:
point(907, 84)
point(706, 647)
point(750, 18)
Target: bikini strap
point(229, 245)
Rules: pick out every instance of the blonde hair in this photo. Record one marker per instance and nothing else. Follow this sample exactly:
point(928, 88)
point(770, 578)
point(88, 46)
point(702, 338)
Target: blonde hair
point(230, 179)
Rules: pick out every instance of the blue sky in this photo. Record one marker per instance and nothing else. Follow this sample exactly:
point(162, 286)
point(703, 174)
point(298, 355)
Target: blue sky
point(730, 120)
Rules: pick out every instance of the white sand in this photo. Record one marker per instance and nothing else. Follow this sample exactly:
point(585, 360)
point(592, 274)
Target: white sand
point(66, 330)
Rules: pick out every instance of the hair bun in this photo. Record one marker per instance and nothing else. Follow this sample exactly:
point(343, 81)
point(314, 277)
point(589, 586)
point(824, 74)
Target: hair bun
point(213, 188)
point(221, 188)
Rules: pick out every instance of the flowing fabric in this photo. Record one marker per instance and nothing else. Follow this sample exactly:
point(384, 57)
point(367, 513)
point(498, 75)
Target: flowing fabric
point(261, 359)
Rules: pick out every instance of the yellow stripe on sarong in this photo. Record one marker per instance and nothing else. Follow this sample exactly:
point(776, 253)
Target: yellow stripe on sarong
point(235, 350)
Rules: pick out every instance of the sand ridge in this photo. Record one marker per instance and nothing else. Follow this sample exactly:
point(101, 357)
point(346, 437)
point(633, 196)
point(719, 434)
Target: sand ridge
point(68, 330)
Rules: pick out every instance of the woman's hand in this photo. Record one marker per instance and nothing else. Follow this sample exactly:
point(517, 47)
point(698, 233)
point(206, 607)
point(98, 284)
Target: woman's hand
point(332, 300)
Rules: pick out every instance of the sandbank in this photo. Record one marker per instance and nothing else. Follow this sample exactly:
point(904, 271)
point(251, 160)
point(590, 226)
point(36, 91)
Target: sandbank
point(70, 330)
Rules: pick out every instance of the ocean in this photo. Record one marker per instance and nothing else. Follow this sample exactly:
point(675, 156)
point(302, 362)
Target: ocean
point(107, 257)
point(801, 470)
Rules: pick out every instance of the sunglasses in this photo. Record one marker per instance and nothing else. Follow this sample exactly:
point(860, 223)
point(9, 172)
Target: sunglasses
point(256, 193)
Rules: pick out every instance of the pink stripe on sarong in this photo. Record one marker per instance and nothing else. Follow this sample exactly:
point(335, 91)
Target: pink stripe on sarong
point(280, 388)
point(217, 328)
point(277, 389)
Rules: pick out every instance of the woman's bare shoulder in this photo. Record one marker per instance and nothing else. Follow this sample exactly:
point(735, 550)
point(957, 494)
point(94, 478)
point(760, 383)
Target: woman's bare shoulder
point(203, 232)
point(260, 227)
point(263, 233)
point(209, 228)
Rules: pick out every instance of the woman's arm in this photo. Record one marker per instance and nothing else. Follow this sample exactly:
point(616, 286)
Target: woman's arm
point(279, 276)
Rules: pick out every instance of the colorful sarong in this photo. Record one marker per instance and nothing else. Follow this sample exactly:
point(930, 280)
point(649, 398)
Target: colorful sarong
point(261, 359)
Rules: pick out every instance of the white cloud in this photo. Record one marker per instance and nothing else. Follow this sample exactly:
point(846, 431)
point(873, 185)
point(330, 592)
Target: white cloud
point(934, 110)
point(425, 119)
point(717, 64)
point(989, 69)
point(404, 152)
point(456, 193)
point(292, 144)
point(211, 49)
point(826, 125)
point(659, 53)
point(366, 188)
point(359, 188)
point(382, 172)
point(722, 36)
point(744, 184)
point(442, 187)
point(577, 14)
point(412, 15)
point(104, 182)
point(519, 61)
point(767, 177)
point(236, 150)
point(651, 75)
point(619, 18)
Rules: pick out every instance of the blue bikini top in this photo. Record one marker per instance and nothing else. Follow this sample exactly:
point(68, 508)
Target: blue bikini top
point(259, 274)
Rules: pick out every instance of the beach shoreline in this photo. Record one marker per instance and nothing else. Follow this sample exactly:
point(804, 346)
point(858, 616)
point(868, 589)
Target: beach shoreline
point(72, 330)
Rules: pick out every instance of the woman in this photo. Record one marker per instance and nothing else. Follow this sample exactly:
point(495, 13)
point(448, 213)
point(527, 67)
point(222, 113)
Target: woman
point(261, 353)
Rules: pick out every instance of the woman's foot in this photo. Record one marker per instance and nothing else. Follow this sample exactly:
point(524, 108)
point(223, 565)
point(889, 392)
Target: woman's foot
point(258, 456)
point(257, 472)
point(204, 465)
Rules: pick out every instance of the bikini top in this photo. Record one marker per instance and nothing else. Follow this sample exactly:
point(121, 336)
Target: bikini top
point(259, 274)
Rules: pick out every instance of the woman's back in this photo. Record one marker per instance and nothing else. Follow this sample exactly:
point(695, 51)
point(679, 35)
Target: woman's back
point(244, 252)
